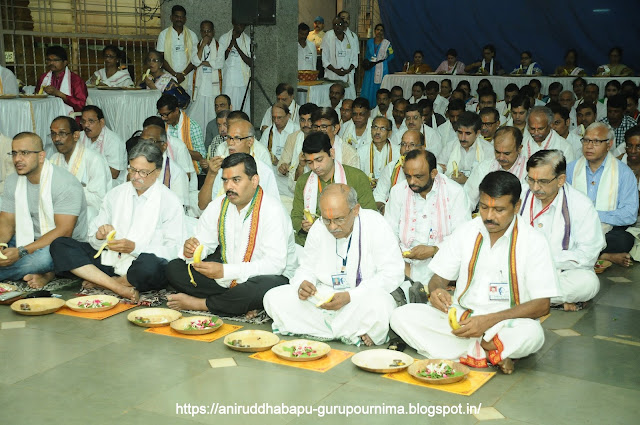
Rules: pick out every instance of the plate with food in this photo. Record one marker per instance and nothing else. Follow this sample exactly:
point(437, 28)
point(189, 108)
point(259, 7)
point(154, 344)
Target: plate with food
point(34, 96)
point(301, 350)
point(108, 88)
point(37, 306)
point(93, 303)
point(197, 325)
point(153, 317)
point(601, 265)
point(438, 371)
point(251, 341)
point(382, 361)
point(8, 96)
point(6, 287)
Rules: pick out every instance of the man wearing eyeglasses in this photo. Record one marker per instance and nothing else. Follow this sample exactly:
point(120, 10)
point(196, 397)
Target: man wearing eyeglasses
point(96, 135)
point(505, 278)
point(612, 188)
point(490, 118)
point(413, 121)
point(172, 175)
point(422, 211)
point(379, 152)
point(40, 203)
point(325, 169)
point(342, 289)
point(275, 136)
point(240, 139)
point(248, 247)
point(87, 165)
point(570, 223)
point(507, 149)
point(392, 173)
point(292, 152)
point(487, 98)
point(539, 134)
point(148, 219)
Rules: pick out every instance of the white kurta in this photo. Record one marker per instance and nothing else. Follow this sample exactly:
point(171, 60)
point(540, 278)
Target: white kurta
point(471, 187)
point(307, 57)
point(370, 155)
point(207, 83)
point(425, 220)
point(92, 172)
point(433, 141)
point(294, 117)
point(236, 73)
point(427, 329)
point(383, 186)
point(111, 146)
point(274, 253)
point(340, 54)
point(576, 144)
point(154, 221)
point(348, 134)
point(440, 105)
point(467, 159)
point(553, 141)
point(267, 181)
point(376, 112)
point(278, 138)
point(180, 55)
point(576, 278)
point(371, 303)
point(8, 81)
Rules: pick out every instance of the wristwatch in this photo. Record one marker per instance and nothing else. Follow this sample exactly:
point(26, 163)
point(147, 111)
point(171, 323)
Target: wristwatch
point(22, 252)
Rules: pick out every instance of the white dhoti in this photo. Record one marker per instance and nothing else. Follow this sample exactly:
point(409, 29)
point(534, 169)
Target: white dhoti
point(427, 330)
point(293, 316)
point(576, 285)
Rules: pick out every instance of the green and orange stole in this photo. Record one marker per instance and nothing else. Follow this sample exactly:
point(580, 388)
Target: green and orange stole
point(254, 212)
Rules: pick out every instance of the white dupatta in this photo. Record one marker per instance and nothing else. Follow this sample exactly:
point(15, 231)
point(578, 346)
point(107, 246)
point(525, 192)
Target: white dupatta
point(310, 191)
point(24, 224)
point(607, 197)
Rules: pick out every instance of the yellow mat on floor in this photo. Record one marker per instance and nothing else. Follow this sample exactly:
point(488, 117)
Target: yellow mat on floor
point(224, 330)
point(98, 315)
point(467, 386)
point(334, 358)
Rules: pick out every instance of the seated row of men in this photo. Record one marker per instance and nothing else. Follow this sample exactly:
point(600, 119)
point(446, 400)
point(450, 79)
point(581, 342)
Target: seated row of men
point(245, 261)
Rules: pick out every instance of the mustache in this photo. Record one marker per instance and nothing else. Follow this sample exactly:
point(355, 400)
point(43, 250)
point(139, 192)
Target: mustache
point(490, 222)
point(231, 192)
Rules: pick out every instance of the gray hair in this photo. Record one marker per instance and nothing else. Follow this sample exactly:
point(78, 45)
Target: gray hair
point(552, 157)
point(573, 96)
point(542, 110)
point(352, 195)
point(149, 151)
point(352, 198)
point(598, 125)
point(163, 132)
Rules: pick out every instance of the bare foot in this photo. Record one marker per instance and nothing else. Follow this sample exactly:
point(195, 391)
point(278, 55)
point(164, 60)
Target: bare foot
point(122, 280)
point(89, 285)
point(186, 302)
point(506, 366)
point(622, 258)
point(37, 281)
point(128, 292)
point(570, 307)
point(251, 314)
point(367, 340)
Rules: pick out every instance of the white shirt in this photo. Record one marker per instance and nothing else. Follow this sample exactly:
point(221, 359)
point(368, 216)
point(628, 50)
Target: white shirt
point(169, 233)
point(258, 151)
point(479, 151)
point(267, 181)
point(349, 134)
point(586, 239)
point(179, 57)
point(235, 72)
point(307, 56)
point(471, 187)
point(376, 112)
point(413, 99)
point(178, 181)
point(294, 118)
point(553, 141)
point(179, 153)
point(207, 78)
point(383, 186)
point(9, 81)
point(274, 253)
point(111, 146)
point(346, 54)
point(93, 174)
point(379, 158)
point(576, 144)
point(425, 219)
point(381, 269)
point(440, 105)
point(534, 267)
point(278, 139)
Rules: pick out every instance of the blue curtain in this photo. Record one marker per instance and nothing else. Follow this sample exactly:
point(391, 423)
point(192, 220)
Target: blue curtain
point(544, 27)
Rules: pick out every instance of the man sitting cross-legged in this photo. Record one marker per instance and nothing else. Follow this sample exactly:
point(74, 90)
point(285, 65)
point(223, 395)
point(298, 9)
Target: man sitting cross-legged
point(344, 256)
point(569, 221)
point(248, 245)
point(505, 278)
point(148, 219)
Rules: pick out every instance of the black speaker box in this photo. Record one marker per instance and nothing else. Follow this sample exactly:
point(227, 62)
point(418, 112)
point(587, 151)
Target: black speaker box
point(257, 12)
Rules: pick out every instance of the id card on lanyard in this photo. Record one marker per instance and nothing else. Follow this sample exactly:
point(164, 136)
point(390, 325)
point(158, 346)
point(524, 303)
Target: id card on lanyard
point(339, 280)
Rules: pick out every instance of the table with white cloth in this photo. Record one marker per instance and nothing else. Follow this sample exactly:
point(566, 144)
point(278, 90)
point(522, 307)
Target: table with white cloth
point(30, 114)
point(125, 110)
point(406, 81)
